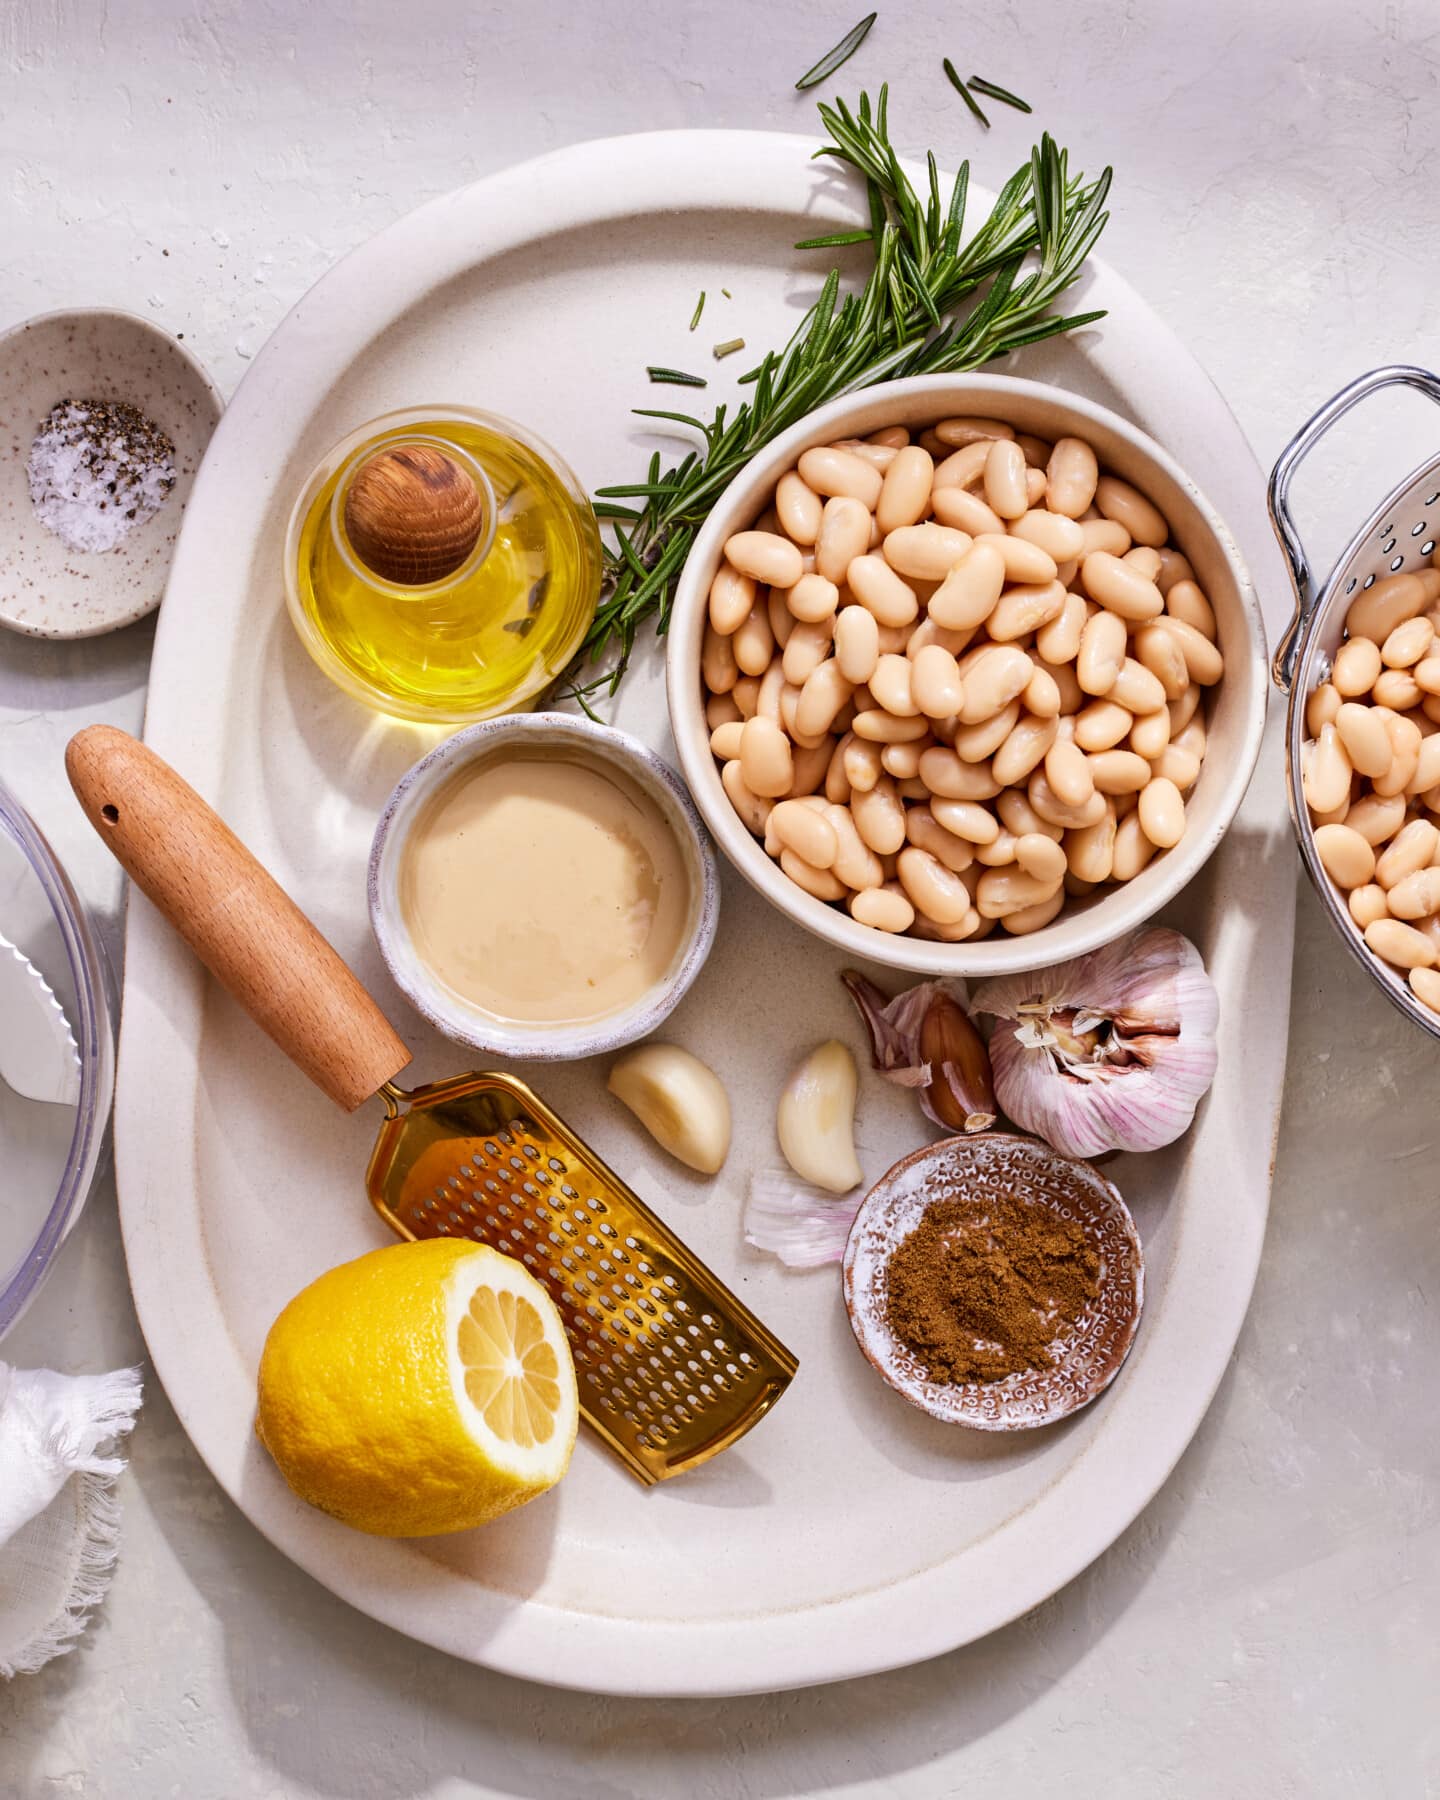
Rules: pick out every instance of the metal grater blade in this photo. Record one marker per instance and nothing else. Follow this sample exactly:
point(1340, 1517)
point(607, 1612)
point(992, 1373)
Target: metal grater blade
point(672, 1366)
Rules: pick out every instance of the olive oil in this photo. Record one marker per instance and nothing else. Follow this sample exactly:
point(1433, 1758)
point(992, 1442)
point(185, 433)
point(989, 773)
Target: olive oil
point(490, 634)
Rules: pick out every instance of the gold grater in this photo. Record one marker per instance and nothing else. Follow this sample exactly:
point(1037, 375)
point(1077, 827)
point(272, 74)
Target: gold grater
point(672, 1367)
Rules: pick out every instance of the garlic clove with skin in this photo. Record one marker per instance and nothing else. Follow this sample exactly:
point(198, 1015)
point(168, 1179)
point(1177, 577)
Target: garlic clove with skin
point(679, 1101)
point(816, 1119)
point(1112, 1051)
point(924, 1038)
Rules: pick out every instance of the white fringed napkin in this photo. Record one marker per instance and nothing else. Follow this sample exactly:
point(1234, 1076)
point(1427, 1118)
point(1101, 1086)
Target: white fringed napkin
point(59, 1518)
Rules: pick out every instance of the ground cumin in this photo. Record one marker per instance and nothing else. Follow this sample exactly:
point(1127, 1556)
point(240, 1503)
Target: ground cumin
point(979, 1293)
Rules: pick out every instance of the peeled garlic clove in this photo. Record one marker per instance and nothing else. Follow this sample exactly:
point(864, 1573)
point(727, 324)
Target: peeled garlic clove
point(680, 1102)
point(816, 1119)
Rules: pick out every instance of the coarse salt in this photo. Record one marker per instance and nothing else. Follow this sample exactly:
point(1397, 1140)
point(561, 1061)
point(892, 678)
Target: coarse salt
point(97, 469)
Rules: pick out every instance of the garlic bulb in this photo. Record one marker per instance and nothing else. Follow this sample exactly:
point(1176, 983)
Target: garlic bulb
point(816, 1119)
point(679, 1101)
point(1111, 1051)
point(924, 1039)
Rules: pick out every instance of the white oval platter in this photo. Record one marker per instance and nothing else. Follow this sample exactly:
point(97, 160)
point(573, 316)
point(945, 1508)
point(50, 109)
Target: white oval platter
point(848, 1533)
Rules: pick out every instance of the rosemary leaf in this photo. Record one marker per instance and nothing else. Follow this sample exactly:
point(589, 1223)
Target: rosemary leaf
point(834, 240)
point(1006, 98)
point(700, 303)
point(728, 348)
point(676, 377)
point(965, 94)
point(841, 53)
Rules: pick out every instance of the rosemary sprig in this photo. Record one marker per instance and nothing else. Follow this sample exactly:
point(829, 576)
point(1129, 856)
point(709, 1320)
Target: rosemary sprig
point(934, 302)
point(841, 53)
point(1003, 95)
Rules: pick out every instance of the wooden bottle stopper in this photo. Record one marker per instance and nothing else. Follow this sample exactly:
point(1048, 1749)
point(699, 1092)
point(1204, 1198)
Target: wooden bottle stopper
point(413, 514)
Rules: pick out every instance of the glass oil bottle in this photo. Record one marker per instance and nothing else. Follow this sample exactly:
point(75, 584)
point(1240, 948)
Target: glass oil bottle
point(442, 564)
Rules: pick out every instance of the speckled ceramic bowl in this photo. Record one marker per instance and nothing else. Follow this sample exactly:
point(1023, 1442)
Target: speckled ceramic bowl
point(1236, 715)
point(472, 1025)
point(46, 589)
point(969, 1169)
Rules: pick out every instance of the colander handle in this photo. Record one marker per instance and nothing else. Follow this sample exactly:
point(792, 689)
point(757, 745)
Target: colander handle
point(1294, 453)
point(234, 915)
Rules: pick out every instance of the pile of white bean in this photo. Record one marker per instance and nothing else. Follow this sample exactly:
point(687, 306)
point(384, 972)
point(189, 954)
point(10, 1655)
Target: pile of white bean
point(1371, 773)
point(952, 682)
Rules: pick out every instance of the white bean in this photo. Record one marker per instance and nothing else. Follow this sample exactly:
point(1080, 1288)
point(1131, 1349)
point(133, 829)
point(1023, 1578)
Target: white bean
point(812, 598)
point(992, 681)
point(765, 556)
point(1401, 945)
point(798, 507)
point(840, 473)
point(881, 591)
point(1119, 588)
point(1127, 506)
point(1060, 538)
point(1162, 813)
point(1024, 748)
point(905, 494)
point(950, 777)
point(1024, 609)
point(1071, 477)
point(844, 535)
point(966, 819)
point(890, 684)
point(924, 830)
point(1101, 655)
point(925, 552)
point(883, 909)
point(935, 682)
point(1412, 848)
point(752, 808)
point(879, 817)
point(822, 697)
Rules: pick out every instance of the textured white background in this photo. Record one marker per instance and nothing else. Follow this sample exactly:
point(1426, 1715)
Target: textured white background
point(1267, 1627)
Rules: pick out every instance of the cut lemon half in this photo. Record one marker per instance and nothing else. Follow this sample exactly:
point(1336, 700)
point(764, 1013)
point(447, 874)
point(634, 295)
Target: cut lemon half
point(423, 1388)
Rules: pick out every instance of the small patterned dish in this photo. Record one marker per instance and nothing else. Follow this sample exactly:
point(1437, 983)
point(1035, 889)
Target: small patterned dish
point(48, 590)
point(968, 1169)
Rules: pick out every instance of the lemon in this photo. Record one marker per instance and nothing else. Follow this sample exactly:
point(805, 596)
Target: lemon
point(425, 1387)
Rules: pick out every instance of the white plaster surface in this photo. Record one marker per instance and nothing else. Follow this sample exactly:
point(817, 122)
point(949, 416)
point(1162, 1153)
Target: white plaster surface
point(1267, 1628)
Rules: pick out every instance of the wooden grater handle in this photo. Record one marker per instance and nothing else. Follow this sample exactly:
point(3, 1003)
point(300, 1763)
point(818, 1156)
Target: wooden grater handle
point(234, 916)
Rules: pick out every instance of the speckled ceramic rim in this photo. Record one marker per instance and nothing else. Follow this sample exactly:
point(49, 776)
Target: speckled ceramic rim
point(1243, 694)
point(128, 614)
point(541, 1043)
point(876, 1342)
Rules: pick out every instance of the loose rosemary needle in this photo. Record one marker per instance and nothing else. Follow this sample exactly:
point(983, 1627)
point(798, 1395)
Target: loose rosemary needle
point(729, 347)
point(841, 53)
point(1003, 95)
point(699, 308)
point(934, 301)
point(676, 377)
point(964, 93)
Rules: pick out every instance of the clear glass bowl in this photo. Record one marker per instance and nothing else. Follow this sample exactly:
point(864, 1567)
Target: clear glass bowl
point(40, 912)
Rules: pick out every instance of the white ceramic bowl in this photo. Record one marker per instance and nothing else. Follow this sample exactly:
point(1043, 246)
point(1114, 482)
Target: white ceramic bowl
point(1237, 714)
point(93, 353)
point(472, 1025)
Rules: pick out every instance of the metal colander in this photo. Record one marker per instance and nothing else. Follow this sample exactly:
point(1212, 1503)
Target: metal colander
point(1401, 534)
